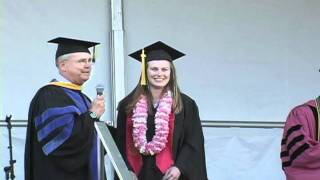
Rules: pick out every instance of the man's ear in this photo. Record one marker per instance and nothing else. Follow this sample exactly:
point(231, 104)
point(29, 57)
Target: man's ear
point(62, 66)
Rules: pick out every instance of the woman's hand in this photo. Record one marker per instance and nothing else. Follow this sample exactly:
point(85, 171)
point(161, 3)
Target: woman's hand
point(172, 173)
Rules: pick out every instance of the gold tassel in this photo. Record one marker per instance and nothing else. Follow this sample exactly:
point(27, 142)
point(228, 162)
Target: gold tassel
point(143, 70)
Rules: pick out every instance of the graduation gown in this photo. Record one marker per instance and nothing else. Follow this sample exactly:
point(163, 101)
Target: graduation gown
point(188, 142)
point(300, 149)
point(61, 142)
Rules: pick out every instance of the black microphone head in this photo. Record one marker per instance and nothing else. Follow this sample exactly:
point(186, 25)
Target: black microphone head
point(99, 89)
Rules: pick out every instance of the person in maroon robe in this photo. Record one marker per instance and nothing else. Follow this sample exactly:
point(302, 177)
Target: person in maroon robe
point(300, 147)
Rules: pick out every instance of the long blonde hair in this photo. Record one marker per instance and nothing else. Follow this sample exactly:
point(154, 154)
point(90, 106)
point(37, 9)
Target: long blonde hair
point(143, 90)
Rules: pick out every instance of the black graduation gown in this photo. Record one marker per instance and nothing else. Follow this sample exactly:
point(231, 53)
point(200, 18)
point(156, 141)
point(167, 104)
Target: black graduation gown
point(46, 155)
point(188, 142)
point(149, 168)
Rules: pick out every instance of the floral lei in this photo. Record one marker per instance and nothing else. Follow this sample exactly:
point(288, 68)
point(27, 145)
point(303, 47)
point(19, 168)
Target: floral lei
point(139, 118)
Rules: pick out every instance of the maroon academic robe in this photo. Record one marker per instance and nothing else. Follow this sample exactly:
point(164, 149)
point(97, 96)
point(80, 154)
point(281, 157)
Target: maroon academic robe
point(300, 150)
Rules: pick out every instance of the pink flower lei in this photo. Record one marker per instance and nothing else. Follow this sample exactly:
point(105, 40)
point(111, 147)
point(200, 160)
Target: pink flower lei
point(139, 118)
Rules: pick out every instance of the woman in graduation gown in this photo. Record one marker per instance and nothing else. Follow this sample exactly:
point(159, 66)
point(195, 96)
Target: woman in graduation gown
point(159, 132)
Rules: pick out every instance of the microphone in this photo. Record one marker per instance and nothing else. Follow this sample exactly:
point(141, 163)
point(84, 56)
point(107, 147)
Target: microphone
point(99, 89)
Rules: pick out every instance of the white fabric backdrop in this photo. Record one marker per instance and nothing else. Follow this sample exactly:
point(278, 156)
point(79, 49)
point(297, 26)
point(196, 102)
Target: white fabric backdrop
point(257, 57)
point(243, 153)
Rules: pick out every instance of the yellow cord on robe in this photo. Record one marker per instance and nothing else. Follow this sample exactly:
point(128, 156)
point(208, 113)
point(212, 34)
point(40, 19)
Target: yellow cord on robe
point(143, 70)
point(67, 85)
point(318, 128)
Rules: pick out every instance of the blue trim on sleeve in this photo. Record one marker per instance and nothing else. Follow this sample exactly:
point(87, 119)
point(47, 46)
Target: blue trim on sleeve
point(58, 140)
point(94, 155)
point(60, 117)
point(56, 111)
point(82, 103)
point(54, 124)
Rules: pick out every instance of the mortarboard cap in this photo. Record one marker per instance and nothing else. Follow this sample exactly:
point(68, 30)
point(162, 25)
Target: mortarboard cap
point(155, 51)
point(68, 45)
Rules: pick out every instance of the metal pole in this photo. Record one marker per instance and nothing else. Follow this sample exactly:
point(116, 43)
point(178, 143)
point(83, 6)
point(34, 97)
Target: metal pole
point(9, 170)
point(117, 60)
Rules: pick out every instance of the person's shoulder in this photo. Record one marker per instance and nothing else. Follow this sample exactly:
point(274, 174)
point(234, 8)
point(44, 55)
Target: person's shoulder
point(187, 99)
point(49, 89)
point(126, 100)
point(47, 93)
point(302, 114)
point(302, 108)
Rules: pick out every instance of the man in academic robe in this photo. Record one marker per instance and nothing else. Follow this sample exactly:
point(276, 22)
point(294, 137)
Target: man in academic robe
point(61, 143)
point(300, 147)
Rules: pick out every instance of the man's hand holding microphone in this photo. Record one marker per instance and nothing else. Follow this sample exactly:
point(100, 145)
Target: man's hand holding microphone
point(98, 104)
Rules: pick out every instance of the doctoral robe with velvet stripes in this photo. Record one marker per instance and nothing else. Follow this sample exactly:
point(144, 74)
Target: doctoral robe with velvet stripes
point(300, 149)
point(61, 142)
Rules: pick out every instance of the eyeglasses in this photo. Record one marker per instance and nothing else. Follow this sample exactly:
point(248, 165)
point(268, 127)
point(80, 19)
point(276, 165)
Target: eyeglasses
point(85, 61)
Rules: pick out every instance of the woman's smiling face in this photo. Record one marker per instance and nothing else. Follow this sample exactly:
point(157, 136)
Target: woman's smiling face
point(158, 73)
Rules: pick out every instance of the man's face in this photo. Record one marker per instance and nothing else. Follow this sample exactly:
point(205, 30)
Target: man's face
point(77, 68)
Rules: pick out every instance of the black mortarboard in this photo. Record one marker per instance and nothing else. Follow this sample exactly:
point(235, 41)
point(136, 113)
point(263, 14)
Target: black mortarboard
point(68, 45)
point(155, 51)
point(158, 51)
